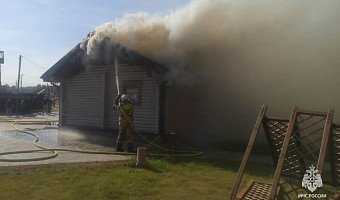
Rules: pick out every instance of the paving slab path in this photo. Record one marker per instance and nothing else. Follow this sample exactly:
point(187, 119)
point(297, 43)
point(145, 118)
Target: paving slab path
point(52, 136)
point(45, 126)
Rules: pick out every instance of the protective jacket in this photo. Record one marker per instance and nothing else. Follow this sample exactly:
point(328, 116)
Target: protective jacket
point(127, 107)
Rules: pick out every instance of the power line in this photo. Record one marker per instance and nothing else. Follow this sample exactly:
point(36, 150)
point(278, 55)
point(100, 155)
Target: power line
point(32, 76)
point(34, 63)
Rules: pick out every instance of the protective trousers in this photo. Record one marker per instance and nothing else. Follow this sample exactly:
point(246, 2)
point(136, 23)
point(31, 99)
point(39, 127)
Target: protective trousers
point(125, 131)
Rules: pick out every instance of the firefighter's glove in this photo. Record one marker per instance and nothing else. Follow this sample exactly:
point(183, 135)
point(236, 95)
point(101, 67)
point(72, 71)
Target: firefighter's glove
point(117, 100)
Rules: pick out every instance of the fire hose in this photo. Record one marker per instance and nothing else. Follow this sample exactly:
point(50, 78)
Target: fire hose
point(54, 151)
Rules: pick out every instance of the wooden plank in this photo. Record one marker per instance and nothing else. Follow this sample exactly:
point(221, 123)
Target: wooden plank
point(279, 166)
point(325, 137)
point(248, 151)
point(308, 112)
point(335, 197)
point(278, 190)
point(277, 118)
point(244, 190)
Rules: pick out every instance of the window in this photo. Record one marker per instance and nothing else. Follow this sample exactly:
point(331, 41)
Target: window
point(134, 90)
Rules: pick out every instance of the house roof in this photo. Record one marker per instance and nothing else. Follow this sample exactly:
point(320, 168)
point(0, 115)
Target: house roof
point(72, 63)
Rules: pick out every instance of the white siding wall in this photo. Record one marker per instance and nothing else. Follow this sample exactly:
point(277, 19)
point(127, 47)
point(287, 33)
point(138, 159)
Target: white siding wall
point(88, 98)
point(147, 114)
point(82, 103)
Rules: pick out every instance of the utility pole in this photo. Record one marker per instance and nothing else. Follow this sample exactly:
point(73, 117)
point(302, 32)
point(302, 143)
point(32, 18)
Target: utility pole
point(17, 108)
point(2, 61)
point(0, 74)
point(21, 81)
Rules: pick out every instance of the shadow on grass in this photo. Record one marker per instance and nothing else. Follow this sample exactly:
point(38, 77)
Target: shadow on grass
point(257, 169)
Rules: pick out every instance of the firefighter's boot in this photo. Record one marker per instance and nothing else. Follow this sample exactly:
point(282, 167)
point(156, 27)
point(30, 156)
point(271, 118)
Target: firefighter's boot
point(130, 147)
point(119, 147)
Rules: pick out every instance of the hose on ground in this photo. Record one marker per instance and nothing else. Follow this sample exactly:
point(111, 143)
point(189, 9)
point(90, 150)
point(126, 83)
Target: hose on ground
point(54, 151)
point(193, 153)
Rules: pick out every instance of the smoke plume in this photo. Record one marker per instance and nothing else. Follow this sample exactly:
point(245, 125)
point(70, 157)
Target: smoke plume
point(227, 57)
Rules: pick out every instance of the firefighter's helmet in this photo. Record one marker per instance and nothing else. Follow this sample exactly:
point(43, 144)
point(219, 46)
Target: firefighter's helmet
point(125, 97)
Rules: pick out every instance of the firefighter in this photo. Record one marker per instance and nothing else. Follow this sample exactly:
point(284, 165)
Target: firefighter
point(124, 103)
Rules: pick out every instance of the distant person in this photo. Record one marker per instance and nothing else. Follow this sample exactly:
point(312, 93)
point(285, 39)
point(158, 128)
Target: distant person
point(53, 102)
point(9, 107)
point(49, 105)
point(45, 105)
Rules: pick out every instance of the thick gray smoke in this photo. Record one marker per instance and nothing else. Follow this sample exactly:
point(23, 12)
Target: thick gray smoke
point(138, 32)
point(226, 58)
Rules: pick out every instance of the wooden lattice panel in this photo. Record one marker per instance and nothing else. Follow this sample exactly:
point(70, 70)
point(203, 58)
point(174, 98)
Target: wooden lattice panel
point(275, 129)
point(335, 154)
point(255, 191)
point(303, 151)
point(258, 191)
point(304, 147)
point(296, 143)
point(308, 138)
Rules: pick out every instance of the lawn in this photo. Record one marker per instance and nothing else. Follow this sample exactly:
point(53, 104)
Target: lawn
point(186, 179)
point(161, 179)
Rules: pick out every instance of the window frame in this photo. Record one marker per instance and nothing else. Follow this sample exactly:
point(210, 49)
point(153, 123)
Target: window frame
point(133, 84)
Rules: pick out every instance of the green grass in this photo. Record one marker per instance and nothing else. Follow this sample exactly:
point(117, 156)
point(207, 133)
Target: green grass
point(161, 179)
point(189, 179)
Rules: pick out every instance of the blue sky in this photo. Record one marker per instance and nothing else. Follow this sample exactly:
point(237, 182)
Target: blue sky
point(45, 30)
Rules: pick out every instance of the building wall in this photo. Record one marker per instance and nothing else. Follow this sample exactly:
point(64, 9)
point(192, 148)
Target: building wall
point(89, 95)
point(83, 100)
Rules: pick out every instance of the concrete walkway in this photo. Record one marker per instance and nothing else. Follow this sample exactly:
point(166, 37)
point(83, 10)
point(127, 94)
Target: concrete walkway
point(45, 126)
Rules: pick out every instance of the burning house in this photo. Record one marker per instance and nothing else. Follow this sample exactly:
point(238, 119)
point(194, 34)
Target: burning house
point(223, 59)
point(88, 88)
